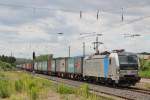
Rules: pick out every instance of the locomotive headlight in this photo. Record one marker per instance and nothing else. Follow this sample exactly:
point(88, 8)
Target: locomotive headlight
point(117, 71)
point(134, 72)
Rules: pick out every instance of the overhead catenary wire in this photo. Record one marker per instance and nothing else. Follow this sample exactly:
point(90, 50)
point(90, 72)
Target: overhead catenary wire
point(35, 9)
point(81, 13)
point(117, 26)
point(65, 10)
point(61, 9)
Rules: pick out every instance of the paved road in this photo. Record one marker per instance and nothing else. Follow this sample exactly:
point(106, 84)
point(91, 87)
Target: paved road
point(145, 80)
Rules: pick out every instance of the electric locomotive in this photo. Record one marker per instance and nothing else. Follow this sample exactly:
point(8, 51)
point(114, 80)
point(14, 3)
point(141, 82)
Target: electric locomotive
point(117, 67)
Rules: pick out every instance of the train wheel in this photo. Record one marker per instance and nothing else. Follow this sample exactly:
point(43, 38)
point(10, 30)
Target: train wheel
point(114, 84)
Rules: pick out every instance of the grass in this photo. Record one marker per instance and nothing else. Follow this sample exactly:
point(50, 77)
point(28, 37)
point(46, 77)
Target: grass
point(22, 83)
point(22, 86)
point(19, 85)
point(147, 85)
point(5, 88)
point(145, 68)
point(63, 89)
point(82, 92)
point(145, 73)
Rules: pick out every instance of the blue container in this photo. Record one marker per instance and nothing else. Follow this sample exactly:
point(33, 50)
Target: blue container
point(70, 65)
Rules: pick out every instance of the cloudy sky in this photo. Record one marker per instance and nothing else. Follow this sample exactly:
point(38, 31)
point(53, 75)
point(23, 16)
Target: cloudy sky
point(32, 25)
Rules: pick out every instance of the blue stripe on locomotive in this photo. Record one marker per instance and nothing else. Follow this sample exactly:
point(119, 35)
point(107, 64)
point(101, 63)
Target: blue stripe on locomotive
point(106, 66)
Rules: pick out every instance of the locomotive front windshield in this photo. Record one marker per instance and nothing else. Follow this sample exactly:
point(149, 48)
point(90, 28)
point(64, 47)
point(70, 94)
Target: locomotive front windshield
point(128, 62)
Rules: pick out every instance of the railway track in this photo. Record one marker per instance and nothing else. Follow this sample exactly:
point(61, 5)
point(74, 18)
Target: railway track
point(145, 91)
point(122, 93)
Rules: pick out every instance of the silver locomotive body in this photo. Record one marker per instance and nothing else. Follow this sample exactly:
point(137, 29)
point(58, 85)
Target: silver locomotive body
point(117, 68)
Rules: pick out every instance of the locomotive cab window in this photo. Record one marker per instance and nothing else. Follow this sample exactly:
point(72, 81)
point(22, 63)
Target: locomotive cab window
point(128, 59)
point(128, 62)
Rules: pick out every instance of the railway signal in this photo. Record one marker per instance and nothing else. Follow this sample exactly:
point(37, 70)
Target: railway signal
point(33, 55)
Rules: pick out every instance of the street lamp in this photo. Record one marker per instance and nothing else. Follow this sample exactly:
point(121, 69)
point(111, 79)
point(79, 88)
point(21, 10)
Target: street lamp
point(68, 46)
point(60, 33)
point(132, 36)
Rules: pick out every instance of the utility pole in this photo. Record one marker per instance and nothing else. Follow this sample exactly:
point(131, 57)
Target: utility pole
point(69, 50)
point(11, 54)
point(83, 49)
point(33, 57)
point(96, 44)
point(122, 17)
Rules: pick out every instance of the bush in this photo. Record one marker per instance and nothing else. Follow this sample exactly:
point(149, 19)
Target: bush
point(145, 73)
point(19, 85)
point(83, 90)
point(5, 89)
point(5, 66)
point(63, 89)
point(34, 93)
point(145, 65)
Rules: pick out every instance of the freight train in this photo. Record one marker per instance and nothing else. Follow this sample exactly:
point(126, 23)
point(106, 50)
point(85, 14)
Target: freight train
point(116, 68)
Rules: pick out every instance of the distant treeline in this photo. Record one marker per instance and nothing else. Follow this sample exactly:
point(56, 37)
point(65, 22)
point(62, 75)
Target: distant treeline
point(8, 59)
point(145, 53)
point(7, 62)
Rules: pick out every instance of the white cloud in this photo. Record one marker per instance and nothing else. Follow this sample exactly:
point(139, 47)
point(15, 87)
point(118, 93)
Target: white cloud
point(22, 30)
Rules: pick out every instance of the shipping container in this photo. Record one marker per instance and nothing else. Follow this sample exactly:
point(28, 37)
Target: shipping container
point(70, 65)
point(27, 66)
point(61, 65)
point(39, 66)
point(44, 66)
point(49, 63)
point(23, 66)
point(30, 67)
point(36, 66)
point(78, 65)
point(53, 65)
